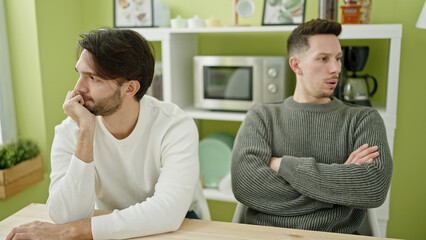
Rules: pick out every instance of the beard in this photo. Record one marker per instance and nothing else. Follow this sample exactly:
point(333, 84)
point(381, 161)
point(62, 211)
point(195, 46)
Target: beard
point(327, 94)
point(106, 106)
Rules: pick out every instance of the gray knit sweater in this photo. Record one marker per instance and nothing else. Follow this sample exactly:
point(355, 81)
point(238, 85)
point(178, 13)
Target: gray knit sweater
point(313, 189)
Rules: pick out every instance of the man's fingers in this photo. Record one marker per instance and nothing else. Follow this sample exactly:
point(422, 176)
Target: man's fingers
point(367, 159)
point(11, 234)
point(363, 154)
point(72, 97)
point(274, 163)
point(16, 233)
point(71, 94)
point(20, 236)
point(368, 151)
point(79, 99)
point(353, 155)
point(370, 160)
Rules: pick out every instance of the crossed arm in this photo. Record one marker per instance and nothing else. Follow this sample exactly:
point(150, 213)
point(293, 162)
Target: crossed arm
point(364, 154)
point(300, 185)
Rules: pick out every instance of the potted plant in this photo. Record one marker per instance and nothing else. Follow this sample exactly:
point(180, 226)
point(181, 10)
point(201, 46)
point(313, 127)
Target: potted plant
point(21, 166)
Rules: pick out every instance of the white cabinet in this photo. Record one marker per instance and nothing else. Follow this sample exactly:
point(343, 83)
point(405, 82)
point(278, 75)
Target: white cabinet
point(178, 46)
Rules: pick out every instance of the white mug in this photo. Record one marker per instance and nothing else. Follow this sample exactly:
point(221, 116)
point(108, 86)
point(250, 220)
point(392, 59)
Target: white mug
point(195, 22)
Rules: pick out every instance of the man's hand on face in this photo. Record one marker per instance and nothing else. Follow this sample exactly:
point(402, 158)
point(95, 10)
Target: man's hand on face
point(73, 107)
point(364, 154)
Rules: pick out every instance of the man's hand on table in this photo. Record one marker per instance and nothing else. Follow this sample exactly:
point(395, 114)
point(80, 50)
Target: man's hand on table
point(43, 230)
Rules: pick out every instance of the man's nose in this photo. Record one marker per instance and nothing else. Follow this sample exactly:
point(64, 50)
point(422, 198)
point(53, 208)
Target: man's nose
point(81, 85)
point(337, 67)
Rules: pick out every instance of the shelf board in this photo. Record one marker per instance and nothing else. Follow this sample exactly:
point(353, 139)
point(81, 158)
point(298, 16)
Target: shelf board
point(156, 31)
point(349, 31)
point(371, 31)
point(239, 116)
point(215, 115)
point(215, 194)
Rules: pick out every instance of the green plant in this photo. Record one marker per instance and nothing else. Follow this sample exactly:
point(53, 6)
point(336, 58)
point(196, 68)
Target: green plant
point(15, 152)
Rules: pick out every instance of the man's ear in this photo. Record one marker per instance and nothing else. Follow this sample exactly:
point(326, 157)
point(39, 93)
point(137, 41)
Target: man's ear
point(294, 63)
point(131, 87)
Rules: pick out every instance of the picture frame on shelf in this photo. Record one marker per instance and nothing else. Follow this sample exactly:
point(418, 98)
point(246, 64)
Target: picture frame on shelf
point(283, 12)
point(133, 13)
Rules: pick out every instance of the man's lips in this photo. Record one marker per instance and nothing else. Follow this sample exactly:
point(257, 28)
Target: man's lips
point(332, 83)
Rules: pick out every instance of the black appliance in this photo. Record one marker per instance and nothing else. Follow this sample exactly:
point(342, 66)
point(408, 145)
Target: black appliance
point(352, 87)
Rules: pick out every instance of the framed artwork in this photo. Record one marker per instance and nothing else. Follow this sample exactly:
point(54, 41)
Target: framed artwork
point(133, 13)
point(283, 12)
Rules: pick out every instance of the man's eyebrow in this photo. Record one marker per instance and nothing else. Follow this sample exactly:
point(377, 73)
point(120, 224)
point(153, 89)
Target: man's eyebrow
point(327, 54)
point(89, 73)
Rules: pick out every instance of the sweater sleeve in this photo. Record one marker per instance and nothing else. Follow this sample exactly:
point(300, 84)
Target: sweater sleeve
point(357, 186)
point(174, 191)
point(255, 184)
point(72, 186)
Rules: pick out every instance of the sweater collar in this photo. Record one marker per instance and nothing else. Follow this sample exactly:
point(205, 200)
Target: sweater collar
point(312, 107)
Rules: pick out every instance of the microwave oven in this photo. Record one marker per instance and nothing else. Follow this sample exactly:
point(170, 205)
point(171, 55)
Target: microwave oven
point(238, 82)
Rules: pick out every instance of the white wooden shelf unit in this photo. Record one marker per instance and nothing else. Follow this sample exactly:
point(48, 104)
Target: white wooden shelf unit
point(179, 46)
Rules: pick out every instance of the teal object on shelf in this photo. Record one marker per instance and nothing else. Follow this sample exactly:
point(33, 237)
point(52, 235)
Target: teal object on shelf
point(215, 153)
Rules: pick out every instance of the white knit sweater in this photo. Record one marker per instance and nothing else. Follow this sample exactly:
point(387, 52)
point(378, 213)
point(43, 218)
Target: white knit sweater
point(148, 179)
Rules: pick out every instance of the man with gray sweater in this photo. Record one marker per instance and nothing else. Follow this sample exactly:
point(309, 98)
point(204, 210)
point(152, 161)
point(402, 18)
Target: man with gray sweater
point(312, 162)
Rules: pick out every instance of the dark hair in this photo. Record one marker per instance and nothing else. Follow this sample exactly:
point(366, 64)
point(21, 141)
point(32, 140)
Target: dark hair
point(298, 39)
point(120, 54)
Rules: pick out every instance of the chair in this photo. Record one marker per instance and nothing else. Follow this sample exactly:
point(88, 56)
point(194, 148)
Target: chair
point(200, 206)
point(370, 227)
point(239, 213)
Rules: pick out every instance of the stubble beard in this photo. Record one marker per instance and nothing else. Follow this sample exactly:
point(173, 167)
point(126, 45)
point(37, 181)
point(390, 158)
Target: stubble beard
point(327, 94)
point(106, 106)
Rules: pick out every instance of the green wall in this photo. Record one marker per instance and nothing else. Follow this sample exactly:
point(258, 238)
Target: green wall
point(42, 37)
point(408, 193)
point(28, 93)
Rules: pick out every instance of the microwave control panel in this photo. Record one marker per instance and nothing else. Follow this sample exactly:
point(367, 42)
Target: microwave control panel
point(273, 79)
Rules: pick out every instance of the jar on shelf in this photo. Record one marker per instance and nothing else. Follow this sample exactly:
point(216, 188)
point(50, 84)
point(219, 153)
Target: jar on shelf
point(351, 12)
point(328, 9)
point(365, 11)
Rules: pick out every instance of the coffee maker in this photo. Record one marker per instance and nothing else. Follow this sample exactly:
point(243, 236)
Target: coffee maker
point(353, 87)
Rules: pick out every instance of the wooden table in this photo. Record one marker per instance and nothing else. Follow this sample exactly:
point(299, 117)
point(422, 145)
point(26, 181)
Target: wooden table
point(191, 229)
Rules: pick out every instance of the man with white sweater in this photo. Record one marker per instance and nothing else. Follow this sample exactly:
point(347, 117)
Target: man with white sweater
point(311, 162)
point(119, 150)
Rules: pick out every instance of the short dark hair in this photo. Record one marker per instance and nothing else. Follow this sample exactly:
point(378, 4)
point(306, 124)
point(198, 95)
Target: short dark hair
point(120, 54)
point(298, 39)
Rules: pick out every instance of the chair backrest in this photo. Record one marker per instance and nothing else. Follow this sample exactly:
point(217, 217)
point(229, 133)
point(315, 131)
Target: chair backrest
point(239, 213)
point(199, 205)
point(370, 226)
